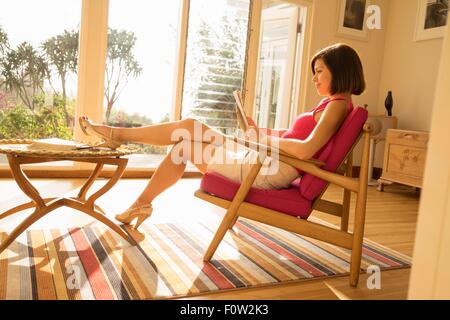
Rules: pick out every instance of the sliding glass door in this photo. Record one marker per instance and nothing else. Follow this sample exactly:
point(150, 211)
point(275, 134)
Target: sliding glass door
point(215, 61)
point(276, 72)
point(165, 60)
point(140, 68)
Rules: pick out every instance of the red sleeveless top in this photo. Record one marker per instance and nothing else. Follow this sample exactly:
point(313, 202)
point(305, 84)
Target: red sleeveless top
point(305, 124)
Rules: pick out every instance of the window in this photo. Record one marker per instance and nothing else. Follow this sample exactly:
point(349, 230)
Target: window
point(280, 50)
point(152, 73)
point(140, 67)
point(38, 66)
point(217, 36)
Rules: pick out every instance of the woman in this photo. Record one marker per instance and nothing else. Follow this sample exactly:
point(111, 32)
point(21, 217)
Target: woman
point(337, 75)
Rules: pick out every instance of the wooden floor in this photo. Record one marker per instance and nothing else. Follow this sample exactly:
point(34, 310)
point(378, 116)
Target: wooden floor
point(391, 221)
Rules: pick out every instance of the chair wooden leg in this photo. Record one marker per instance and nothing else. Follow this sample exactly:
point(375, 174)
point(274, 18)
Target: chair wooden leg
point(360, 214)
point(355, 269)
point(220, 233)
point(358, 236)
point(345, 210)
point(231, 215)
point(358, 230)
point(347, 195)
point(233, 222)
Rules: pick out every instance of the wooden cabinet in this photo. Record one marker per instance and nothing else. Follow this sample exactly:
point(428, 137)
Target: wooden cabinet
point(404, 158)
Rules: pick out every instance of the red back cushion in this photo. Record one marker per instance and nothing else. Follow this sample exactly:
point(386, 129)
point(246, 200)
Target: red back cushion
point(334, 152)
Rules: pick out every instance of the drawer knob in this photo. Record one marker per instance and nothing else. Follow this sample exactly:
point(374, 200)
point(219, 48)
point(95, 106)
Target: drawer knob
point(409, 136)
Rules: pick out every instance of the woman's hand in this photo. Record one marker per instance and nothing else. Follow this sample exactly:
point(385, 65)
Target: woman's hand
point(251, 134)
point(254, 134)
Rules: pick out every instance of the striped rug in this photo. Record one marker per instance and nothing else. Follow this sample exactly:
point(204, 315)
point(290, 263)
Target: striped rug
point(94, 263)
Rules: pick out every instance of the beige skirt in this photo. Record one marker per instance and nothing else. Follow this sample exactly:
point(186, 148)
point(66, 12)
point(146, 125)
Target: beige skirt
point(234, 161)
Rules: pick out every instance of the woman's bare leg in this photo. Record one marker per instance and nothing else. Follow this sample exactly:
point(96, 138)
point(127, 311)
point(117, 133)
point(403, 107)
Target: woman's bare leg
point(185, 134)
point(164, 134)
point(172, 168)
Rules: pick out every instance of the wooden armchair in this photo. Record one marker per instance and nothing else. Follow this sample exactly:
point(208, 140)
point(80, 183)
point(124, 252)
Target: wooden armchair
point(334, 165)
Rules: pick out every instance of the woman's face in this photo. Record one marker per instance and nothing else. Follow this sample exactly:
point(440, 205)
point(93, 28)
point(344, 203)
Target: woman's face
point(322, 78)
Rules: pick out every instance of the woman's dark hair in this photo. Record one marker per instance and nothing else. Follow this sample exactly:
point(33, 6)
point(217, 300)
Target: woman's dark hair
point(345, 67)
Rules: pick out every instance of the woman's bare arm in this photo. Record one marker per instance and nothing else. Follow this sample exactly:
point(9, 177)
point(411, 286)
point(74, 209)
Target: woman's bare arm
point(330, 121)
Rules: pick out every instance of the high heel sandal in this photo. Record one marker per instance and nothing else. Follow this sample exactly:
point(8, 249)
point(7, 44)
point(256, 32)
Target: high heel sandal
point(140, 212)
point(89, 130)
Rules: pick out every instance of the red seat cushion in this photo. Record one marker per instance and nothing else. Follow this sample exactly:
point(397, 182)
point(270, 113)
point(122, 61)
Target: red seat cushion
point(288, 201)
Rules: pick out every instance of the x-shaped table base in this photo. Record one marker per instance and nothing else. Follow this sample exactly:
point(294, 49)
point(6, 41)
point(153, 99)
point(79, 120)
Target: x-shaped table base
point(47, 205)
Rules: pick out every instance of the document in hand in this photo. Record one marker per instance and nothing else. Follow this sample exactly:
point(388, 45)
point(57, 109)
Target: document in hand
point(240, 113)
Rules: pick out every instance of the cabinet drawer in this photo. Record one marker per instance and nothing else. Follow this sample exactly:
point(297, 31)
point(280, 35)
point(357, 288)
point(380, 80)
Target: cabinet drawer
point(406, 160)
point(404, 156)
point(407, 138)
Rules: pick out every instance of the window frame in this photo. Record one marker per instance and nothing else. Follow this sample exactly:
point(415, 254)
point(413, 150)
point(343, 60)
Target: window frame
point(47, 169)
point(252, 56)
point(91, 73)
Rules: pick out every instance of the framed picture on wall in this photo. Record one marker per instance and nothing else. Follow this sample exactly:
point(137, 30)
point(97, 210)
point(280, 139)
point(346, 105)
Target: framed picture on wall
point(352, 19)
point(432, 17)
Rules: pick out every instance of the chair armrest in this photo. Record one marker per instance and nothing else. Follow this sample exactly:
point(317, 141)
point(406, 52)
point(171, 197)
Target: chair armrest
point(310, 166)
point(269, 150)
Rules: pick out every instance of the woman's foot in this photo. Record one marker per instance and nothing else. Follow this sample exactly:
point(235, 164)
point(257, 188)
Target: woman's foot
point(139, 211)
point(105, 132)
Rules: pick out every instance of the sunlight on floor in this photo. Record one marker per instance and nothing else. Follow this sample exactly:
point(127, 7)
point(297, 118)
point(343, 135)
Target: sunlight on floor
point(179, 205)
point(338, 293)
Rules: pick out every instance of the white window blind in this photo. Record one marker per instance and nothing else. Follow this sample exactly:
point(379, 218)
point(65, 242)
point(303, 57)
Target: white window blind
point(215, 59)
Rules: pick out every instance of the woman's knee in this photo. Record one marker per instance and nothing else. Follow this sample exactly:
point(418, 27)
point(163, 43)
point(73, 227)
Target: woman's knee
point(184, 130)
point(198, 153)
point(190, 123)
point(181, 152)
point(197, 130)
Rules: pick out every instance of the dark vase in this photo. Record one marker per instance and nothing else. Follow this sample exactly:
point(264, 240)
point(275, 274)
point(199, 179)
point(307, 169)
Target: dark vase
point(389, 103)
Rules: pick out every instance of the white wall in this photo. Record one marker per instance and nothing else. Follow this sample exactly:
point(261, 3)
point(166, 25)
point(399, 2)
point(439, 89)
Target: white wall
point(324, 33)
point(392, 60)
point(410, 68)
